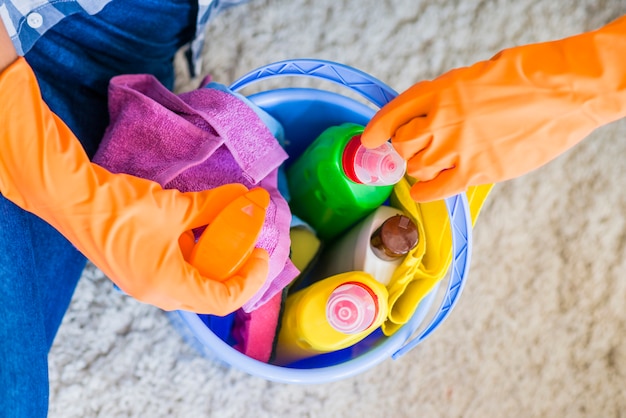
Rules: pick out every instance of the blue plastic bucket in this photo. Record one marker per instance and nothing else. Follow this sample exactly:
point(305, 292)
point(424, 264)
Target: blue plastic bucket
point(305, 113)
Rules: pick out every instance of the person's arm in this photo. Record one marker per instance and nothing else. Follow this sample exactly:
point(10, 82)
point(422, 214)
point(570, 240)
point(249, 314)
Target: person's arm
point(129, 227)
point(8, 55)
point(501, 118)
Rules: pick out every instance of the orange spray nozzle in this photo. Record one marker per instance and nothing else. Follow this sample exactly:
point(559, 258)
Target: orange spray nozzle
point(228, 241)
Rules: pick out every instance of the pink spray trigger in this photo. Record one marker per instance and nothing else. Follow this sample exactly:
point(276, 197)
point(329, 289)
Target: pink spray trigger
point(351, 308)
point(380, 166)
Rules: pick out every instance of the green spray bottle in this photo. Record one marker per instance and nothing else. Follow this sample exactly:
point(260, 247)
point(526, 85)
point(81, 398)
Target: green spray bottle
point(337, 181)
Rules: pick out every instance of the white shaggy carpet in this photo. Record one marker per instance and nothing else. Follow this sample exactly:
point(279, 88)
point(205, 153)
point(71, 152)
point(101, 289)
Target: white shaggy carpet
point(540, 330)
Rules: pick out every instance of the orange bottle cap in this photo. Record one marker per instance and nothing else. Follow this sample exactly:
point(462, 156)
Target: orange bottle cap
point(228, 241)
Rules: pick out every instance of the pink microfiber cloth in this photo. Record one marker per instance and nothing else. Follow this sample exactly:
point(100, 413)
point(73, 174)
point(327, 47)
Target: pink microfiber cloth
point(197, 141)
point(255, 332)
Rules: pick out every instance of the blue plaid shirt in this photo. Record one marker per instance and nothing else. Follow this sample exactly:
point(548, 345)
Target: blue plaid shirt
point(27, 20)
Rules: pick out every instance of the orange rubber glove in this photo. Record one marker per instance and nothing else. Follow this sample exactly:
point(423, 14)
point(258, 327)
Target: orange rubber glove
point(127, 226)
point(504, 117)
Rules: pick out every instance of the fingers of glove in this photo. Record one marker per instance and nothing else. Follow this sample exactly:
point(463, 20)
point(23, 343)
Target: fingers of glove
point(412, 137)
point(188, 290)
point(413, 103)
point(207, 204)
point(233, 292)
point(445, 184)
point(186, 242)
point(425, 167)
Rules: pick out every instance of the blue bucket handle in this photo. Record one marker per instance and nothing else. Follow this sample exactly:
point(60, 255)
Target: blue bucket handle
point(380, 94)
point(367, 86)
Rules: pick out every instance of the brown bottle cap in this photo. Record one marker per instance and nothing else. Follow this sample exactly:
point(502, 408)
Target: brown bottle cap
point(394, 238)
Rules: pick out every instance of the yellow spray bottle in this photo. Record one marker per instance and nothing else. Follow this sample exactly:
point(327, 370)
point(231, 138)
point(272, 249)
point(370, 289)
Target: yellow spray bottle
point(329, 315)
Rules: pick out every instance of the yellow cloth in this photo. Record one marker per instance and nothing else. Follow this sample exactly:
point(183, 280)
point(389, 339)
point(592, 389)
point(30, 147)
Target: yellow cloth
point(304, 246)
point(427, 263)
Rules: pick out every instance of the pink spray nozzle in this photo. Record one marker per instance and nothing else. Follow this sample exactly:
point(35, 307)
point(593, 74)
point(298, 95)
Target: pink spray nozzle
point(380, 166)
point(351, 308)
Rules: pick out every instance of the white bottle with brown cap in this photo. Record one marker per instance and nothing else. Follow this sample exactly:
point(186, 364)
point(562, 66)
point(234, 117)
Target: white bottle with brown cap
point(376, 245)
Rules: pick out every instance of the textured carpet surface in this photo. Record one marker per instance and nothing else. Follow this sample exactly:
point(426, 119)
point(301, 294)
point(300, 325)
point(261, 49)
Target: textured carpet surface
point(540, 330)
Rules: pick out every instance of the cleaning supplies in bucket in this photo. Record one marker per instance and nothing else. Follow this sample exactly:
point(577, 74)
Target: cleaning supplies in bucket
point(336, 181)
point(304, 113)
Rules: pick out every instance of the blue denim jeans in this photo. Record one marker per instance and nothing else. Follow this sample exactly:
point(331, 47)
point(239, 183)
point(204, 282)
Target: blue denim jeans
point(39, 268)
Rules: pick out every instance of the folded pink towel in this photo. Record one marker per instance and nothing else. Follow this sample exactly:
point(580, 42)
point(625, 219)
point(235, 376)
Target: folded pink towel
point(196, 141)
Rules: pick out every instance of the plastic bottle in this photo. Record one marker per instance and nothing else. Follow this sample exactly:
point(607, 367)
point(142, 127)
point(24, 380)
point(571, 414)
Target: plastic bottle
point(228, 241)
point(331, 314)
point(337, 181)
point(376, 245)
point(305, 246)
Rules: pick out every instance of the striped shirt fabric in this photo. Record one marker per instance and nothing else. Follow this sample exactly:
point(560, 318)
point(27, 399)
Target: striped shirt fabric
point(27, 20)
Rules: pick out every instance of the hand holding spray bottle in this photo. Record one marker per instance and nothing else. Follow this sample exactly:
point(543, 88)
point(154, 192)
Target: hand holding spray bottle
point(337, 181)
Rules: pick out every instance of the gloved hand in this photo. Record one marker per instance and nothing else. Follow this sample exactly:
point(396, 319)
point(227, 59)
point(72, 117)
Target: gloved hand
point(504, 117)
point(127, 226)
